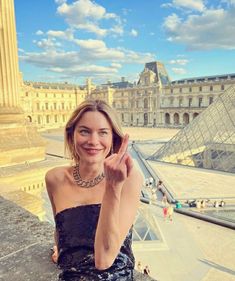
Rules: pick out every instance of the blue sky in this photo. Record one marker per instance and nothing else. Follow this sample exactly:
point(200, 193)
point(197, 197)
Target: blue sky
point(61, 40)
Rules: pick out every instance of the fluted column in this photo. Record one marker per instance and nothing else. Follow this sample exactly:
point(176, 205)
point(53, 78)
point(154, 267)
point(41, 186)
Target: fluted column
point(9, 68)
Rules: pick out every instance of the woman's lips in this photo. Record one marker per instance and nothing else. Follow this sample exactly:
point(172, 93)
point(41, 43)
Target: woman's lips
point(92, 151)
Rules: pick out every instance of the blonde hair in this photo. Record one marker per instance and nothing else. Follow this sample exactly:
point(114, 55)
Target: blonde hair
point(92, 105)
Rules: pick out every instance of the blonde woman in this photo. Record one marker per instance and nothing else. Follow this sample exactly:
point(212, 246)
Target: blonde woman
point(95, 200)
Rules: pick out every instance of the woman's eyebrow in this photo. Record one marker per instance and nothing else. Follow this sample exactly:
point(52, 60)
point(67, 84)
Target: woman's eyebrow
point(107, 129)
point(85, 127)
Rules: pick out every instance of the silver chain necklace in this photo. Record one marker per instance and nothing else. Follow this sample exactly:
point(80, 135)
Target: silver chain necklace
point(82, 183)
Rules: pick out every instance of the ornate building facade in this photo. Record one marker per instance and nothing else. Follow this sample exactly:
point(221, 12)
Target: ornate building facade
point(154, 101)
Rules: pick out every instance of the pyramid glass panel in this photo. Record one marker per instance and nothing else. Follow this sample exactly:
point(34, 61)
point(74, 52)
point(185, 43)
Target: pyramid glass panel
point(144, 226)
point(208, 141)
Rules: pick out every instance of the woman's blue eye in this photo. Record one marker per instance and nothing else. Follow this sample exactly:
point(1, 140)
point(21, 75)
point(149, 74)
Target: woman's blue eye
point(84, 132)
point(103, 133)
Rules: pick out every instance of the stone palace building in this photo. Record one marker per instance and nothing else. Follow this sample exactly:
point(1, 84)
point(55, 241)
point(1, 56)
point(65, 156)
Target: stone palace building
point(154, 101)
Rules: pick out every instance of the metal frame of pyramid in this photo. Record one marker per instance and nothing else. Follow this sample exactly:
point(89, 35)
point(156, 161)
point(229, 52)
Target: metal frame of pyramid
point(208, 141)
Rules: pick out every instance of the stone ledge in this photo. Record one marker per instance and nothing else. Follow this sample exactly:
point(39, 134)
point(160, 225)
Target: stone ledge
point(25, 246)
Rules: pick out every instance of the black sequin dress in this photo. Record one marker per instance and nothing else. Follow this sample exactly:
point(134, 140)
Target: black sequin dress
point(76, 234)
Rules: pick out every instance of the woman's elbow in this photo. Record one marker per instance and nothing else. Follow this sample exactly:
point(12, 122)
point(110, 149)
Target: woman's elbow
point(103, 263)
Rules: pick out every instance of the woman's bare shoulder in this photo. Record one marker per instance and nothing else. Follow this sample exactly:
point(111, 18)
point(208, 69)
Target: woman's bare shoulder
point(56, 174)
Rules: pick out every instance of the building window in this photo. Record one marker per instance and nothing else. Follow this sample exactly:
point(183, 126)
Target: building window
point(190, 89)
point(222, 87)
point(200, 88)
point(211, 88)
point(210, 100)
point(38, 106)
point(48, 119)
point(171, 101)
point(180, 102)
point(180, 90)
point(190, 102)
point(55, 118)
point(54, 105)
point(172, 91)
point(46, 105)
point(200, 102)
point(39, 120)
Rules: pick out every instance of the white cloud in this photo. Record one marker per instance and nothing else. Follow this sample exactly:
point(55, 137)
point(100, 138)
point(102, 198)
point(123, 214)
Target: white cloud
point(179, 61)
point(67, 34)
point(196, 5)
point(134, 33)
point(47, 43)
point(39, 32)
point(180, 71)
point(212, 29)
point(89, 58)
point(60, 2)
point(86, 15)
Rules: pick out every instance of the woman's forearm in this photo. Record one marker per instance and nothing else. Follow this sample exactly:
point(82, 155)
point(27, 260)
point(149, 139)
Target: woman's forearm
point(107, 239)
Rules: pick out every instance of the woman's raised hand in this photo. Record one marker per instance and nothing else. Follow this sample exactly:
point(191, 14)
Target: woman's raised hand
point(118, 166)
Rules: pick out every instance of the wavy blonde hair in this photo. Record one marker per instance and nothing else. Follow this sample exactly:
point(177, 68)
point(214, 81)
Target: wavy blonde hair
point(92, 105)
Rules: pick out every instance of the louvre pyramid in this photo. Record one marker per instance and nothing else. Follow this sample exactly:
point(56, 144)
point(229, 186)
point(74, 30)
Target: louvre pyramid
point(208, 141)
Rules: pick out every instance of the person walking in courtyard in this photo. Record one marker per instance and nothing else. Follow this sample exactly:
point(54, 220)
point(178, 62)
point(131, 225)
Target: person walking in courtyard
point(164, 199)
point(95, 200)
point(160, 186)
point(164, 210)
point(139, 267)
point(170, 211)
point(146, 270)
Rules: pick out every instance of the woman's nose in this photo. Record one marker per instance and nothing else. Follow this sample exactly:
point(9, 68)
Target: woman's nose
point(93, 139)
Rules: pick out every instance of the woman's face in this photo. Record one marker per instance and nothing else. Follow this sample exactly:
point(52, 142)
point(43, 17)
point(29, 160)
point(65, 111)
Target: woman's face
point(93, 137)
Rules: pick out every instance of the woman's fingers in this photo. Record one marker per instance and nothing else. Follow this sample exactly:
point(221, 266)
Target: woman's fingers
point(123, 148)
point(129, 164)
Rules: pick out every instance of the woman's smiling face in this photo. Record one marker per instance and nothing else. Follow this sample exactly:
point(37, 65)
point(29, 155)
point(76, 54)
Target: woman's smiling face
point(93, 137)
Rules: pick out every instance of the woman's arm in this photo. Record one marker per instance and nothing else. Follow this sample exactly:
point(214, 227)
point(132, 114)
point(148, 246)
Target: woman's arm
point(119, 206)
point(49, 179)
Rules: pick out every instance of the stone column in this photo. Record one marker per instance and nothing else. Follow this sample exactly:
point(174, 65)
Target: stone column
point(9, 68)
point(19, 141)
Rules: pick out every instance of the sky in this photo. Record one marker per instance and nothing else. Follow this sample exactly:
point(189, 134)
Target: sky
point(70, 41)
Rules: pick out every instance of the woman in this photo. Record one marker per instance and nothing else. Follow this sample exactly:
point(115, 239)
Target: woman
point(95, 201)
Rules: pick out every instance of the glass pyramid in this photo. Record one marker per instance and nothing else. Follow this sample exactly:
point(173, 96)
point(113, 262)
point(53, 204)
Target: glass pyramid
point(145, 228)
point(208, 141)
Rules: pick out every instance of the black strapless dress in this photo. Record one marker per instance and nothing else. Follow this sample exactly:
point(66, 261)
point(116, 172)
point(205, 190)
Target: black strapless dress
point(76, 234)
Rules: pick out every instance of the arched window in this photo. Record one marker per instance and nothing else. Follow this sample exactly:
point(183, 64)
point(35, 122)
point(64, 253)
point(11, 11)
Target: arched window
point(186, 118)
point(176, 118)
point(167, 118)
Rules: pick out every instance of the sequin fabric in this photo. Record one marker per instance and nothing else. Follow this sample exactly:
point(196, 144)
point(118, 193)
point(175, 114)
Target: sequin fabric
point(76, 234)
